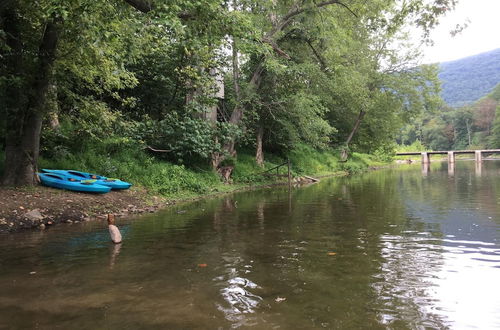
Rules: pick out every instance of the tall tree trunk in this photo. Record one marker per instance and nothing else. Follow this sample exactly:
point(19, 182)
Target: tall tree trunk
point(25, 122)
point(53, 108)
point(345, 152)
point(237, 114)
point(467, 125)
point(259, 154)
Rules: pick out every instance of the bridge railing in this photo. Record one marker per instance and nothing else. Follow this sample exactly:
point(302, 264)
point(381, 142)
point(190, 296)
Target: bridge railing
point(451, 154)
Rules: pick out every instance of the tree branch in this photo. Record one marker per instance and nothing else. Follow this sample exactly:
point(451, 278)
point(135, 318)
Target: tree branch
point(146, 6)
point(275, 47)
point(298, 11)
point(324, 67)
point(288, 18)
point(157, 150)
point(142, 5)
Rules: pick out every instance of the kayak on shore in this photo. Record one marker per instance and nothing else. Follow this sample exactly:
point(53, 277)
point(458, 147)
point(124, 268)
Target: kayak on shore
point(56, 180)
point(115, 184)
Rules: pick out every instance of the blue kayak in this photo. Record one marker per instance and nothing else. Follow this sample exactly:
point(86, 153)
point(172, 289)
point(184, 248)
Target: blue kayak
point(65, 182)
point(115, 184)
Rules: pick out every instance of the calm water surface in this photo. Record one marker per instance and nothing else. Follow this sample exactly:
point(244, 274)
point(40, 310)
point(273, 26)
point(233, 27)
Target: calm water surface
point(397, 248)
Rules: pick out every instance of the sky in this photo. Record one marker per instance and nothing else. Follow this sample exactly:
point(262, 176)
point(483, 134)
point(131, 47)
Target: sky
point(481, 35)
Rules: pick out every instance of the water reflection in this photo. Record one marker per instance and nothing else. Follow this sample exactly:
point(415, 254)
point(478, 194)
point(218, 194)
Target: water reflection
point(451, 169)
point(479, 168)
point(236, 289)
point(425, 169)
point(413, 247)
point(114, 252)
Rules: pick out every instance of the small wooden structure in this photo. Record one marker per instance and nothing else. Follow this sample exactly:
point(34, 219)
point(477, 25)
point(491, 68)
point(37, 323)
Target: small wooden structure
point(278, 175)
point(288, 164)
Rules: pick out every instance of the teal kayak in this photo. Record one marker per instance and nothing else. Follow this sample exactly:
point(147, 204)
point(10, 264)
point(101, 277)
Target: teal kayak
point(115, 184)
point(55, 180)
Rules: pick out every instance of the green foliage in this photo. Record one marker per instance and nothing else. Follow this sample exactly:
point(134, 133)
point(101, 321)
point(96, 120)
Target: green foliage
point(124, 80)
point(415, 146)
point(474, 126)
point(185, 138)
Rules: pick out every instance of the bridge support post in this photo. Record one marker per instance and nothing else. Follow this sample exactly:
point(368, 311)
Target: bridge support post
point(479, 156)
point(426, 159)
point(451, 157)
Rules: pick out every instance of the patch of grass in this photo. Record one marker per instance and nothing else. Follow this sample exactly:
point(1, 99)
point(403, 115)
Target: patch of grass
point(246, 169)
point(308, 161)
point(139, 168)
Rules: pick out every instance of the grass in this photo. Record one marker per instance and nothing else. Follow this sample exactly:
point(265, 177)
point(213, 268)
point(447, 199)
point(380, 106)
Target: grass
point(173, 181)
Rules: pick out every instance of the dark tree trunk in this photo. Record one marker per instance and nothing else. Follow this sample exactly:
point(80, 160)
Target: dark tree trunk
point(259, 154)
point(25, 120)
point(344, 154)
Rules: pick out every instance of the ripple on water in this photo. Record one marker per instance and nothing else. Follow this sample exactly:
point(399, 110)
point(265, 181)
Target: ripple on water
point(443, 281)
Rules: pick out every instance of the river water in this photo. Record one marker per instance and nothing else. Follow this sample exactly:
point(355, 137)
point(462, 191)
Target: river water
point(397, 248)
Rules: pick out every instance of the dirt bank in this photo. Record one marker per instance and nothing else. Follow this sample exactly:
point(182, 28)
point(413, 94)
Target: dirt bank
point(40, 207)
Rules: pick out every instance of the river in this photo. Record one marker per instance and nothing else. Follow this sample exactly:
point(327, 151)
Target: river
point(397, 248)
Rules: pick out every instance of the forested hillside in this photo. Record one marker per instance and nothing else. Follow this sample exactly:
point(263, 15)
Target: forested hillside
point(466, 80)
point(118, 87)
point(475, 126)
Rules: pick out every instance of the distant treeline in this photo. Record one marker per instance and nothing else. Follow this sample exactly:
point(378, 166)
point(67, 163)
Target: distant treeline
point(472, 126)
point(468, 79)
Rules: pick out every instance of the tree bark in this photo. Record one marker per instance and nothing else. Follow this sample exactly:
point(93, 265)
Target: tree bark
point(25, 123)
point(467, 125)
point(345, 153)
point(259, 154)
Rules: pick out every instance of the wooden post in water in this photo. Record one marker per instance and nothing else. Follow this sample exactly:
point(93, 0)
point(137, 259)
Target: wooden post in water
point(451, 157)
point(479, 156)
point(426, 159)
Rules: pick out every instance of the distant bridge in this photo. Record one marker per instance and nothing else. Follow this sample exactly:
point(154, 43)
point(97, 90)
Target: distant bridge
point(426, 155)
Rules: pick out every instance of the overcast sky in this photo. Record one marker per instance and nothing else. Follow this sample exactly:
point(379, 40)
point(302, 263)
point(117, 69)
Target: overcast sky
point(482, 34)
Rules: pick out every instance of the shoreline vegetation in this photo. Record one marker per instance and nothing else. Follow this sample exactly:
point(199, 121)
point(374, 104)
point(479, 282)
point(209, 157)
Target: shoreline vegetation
point(150, 93)
point(157, 184)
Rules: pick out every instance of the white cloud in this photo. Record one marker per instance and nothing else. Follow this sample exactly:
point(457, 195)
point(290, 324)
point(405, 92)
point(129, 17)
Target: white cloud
point(481, 35)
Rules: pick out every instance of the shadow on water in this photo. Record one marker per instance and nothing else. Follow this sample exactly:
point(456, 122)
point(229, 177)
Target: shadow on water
point(398, 248)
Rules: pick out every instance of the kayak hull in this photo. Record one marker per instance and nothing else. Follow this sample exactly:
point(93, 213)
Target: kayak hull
point(114, 184)
point(61, 182)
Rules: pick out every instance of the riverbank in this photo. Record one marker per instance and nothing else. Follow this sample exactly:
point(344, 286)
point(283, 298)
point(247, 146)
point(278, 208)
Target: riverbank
point(157, 184)
point(42, 207)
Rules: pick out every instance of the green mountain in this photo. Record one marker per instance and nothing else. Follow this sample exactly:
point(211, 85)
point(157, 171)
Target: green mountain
point(468, 79)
